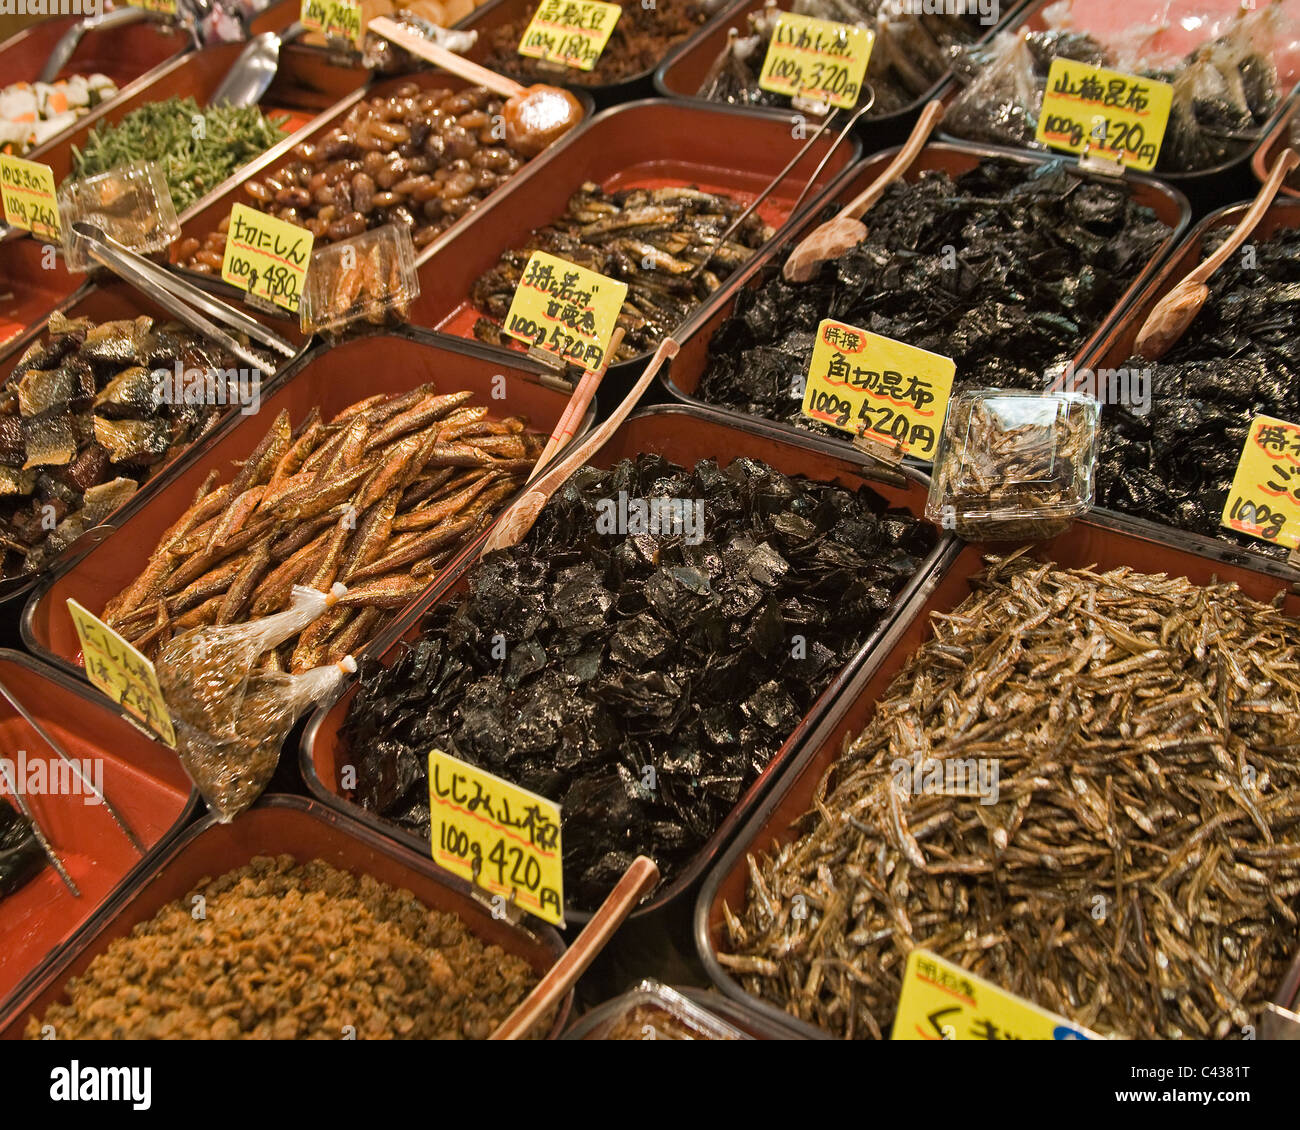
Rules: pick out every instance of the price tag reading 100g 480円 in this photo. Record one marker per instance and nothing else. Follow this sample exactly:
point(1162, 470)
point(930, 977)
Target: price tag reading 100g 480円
point(502, 837)
point(1264, 501)
point(27, 188)
point(874, 386)
point(817, 59)
point(565, 309)
point(266, 257)
point(1111, 114)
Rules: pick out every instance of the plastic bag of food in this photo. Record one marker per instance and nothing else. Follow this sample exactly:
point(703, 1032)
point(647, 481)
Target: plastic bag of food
point(385, 57)
point(1001, 104)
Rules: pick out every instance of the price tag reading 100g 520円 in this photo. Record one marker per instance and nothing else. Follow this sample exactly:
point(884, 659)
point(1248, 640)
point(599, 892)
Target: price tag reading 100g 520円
point(266, 257)
point(27, 188)
point(883, 389)
point(570, 32)
point(565, 309)
point(817, 59)
point(1264, 501)
point(502, 837)
point(1111, 114)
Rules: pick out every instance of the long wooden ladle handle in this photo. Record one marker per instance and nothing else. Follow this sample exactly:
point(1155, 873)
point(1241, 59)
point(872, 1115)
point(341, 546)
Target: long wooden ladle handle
point(1282, 166)
point(637, 880)
point(441, 57)
point(866, 199)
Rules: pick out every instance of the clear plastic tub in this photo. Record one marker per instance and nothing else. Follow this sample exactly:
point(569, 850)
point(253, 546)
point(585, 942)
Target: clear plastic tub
point(653, 1011)
point(369, 278)
point(131, 204)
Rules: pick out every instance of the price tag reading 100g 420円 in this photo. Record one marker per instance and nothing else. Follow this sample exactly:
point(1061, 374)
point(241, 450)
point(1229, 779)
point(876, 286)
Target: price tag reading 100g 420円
point(266, 257)
point(817, 59)
point(502, 837)
point(570, 32)
point(565, 309)
point(1264, 501)
point(27, 188)
point(874, 386)
point(1111, 114)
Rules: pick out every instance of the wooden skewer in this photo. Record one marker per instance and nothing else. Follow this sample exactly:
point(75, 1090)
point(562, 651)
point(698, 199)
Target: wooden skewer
point(441, 57)
point(637, 880)
point(1178, 309)
point(578, 402)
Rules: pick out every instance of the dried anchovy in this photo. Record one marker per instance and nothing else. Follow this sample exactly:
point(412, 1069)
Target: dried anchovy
point(288, 952)
point(1138, 872)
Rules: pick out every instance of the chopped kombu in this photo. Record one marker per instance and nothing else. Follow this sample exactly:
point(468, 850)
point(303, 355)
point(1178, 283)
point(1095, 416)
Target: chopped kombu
point(1006, 269)
point(641, 679)
point(1240, 358)
point(21, 856)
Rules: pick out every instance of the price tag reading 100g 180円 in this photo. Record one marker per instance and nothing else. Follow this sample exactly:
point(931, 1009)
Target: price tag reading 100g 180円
point(570, 32)
point(817, 59)
point(502, 837)
point(266, 257)
point(1111, 114)
point(565, 309)
point(883, 389)
point(1264, 501)
point(27, 188)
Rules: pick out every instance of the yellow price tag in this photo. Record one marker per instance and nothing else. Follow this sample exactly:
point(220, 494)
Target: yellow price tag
point(27, 189)
point(565, 309)
point(266, 257)
point(870, 385)
point(942, 1001)
point(1264, 501)
point(502, 837)
point(1113, 115)
point(339, 18)
point(570, 32)
point(817, 59)
point(167, 7)
point(122, 673)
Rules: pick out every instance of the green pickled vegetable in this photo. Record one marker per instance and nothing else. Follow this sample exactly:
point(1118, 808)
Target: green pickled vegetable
point(196, 149)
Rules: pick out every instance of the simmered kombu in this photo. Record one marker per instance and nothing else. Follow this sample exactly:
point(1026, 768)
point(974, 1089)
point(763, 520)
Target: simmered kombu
point(1238, 359)
point(1007, 269)
point(640, 680)
point(21, 856)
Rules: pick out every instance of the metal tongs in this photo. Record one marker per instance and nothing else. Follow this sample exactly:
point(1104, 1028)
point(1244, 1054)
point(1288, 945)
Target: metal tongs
point(180, 298)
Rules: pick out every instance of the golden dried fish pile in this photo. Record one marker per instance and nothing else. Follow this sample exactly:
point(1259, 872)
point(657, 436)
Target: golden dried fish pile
point(377, 498)
point(1138, 872)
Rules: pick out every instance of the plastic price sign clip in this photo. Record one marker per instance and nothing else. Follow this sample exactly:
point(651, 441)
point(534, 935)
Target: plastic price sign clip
point(499, 836)
point(30, 203)
point(1264, 501)
point(565, 309)
point(1106, 115)
point(890, 395)
point(817, 60)
point(943, 1001)
point(338, 18)
point(572, 33)
point(122, 673)
point(266, 257)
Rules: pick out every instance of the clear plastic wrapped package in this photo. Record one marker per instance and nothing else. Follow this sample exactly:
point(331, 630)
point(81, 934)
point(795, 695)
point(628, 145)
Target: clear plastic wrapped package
point(653, 1011)
point(131, 204)
point(369, 278)
point(1014, 466)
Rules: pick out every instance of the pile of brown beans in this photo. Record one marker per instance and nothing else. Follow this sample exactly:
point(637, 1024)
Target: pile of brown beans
point(422, 158)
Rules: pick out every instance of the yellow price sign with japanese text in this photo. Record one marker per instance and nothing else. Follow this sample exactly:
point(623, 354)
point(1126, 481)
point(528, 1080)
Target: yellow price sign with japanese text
point(565, 309)
point(879, 388)
point(266, 257)
point(28, 193)
point(122, 673)
point(943, 1001)
point(817, 59)
point(570, 32)
point(339, 18)
point(166, 7)
point(499, 836)
point(1264, 501)
point(1110, 114)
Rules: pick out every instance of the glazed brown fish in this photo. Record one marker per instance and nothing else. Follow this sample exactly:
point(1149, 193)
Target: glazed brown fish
point(1139, 868)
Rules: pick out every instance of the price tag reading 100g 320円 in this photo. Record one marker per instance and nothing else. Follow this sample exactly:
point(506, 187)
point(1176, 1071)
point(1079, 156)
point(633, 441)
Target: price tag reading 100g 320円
point(502, 837)
point(1264, 501)
point(266, 257)
point(1111, 114)
point(874, 386)
point(570, 32)
point(27, 188)
point(817, 59)
point(565, 309)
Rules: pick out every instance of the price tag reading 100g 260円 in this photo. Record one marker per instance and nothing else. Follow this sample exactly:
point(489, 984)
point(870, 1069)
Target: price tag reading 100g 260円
point(1111, 114)
point(27, 188)
point(502, 837)
point(1264, 501)
point(565, 309)
point(817, 59)
point(883, 389)
point(266, 257)
point(570, 32)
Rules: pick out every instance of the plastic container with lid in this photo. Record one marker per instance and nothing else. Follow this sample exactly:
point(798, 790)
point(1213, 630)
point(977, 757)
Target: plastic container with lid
point(131, 204)
point(653, 1011)
point(368, 278)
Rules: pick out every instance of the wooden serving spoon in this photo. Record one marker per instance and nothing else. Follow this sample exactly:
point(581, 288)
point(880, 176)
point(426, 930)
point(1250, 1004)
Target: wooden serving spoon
point(535, 116)
point(845, 231)
point(637, 881)
point(1179, 307)
point(519, 519)
point(582, 396)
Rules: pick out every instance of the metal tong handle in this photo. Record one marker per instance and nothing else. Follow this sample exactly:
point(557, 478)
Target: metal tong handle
point(71, 39)
point(173, 293)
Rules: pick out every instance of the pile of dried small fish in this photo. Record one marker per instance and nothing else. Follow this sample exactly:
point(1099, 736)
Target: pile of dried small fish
point(1006, 269)
point(653, 239)
point(909, 56)
point(377, 498)
point(1138, 867)
point(640, 657)
point(84, 419)
point(1173, 463)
